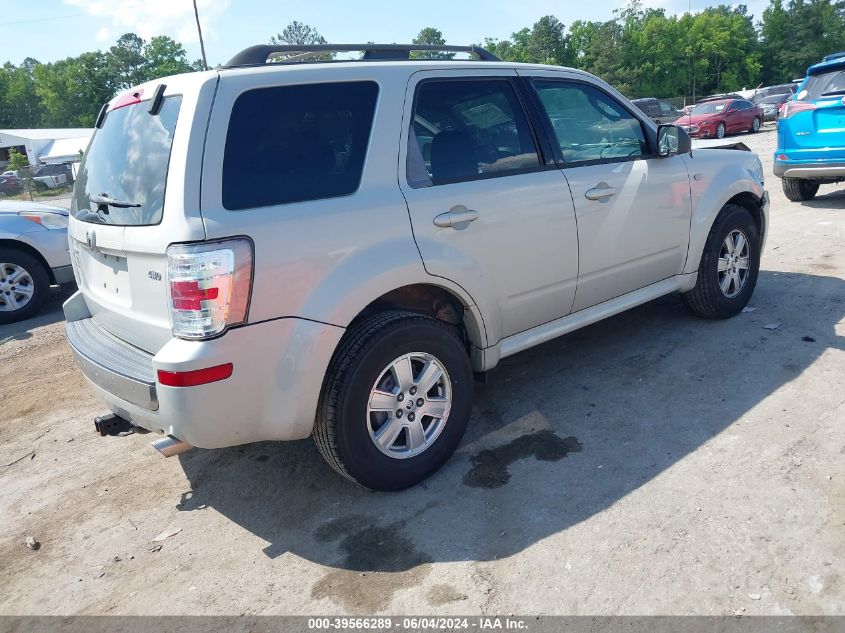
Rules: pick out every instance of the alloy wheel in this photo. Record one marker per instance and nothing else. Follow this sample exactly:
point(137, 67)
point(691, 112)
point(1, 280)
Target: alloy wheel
point(16, 287)
point(734, 263)
point(409, 405)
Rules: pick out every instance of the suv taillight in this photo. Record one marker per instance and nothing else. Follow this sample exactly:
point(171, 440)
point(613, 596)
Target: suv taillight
point(794, 107)
point(208, 286)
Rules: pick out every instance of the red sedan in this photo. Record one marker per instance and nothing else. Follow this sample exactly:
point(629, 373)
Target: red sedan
point(717, 119)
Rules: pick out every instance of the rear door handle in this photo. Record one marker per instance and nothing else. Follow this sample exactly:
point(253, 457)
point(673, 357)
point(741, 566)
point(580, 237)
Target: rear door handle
point(600, 192)
point(457, 217)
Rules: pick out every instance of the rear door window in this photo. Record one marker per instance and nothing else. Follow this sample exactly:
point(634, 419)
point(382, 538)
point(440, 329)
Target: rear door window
point(296, 143)
point(126, 164)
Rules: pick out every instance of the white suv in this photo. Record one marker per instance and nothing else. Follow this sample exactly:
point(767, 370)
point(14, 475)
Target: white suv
point(276, 249)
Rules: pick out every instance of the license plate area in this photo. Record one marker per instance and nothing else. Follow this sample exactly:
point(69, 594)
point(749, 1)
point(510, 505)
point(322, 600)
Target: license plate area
point(105, 275)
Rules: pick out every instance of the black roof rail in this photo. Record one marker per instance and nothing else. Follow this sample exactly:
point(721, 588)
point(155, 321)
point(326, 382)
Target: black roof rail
point(263, 53)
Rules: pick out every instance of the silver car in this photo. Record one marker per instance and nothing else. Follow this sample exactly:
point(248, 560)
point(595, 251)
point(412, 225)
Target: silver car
point(269, 251)
point(33, 256)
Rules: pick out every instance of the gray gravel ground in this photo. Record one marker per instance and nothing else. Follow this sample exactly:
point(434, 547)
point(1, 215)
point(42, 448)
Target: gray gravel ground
point(650, 464)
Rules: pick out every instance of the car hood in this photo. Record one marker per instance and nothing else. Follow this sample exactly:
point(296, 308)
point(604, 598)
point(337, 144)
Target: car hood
point(16, 206)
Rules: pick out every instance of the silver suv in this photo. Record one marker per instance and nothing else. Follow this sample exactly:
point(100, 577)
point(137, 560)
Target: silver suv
point(296, 246)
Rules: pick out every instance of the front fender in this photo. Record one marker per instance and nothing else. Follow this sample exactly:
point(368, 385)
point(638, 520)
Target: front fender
point(717, 176)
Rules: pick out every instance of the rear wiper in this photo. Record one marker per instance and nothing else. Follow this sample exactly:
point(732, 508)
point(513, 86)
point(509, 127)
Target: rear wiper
point(833, 93)
point(105, 199)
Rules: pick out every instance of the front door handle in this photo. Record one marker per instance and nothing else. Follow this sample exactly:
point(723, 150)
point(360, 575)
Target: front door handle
point(600, 192)
point(457, 217)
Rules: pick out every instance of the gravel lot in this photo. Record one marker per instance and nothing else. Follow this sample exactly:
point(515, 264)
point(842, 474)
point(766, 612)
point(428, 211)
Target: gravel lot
point(650, 464)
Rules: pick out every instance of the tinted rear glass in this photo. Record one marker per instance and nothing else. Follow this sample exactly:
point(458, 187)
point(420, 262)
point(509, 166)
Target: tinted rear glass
point(127, 163)
point(296, 143)
point(818, 86)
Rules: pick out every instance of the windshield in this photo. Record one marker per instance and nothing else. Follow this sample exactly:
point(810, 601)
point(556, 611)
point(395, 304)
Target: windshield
point(709, 108)
point(122, 176)
point(775, 98)
point(818, 85)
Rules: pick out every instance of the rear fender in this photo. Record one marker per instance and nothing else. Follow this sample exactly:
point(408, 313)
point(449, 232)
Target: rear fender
point(366, 274)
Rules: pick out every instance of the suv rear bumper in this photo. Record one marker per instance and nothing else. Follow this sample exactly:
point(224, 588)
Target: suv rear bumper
point(809, 170)
point(272, 394)
point(110, 364)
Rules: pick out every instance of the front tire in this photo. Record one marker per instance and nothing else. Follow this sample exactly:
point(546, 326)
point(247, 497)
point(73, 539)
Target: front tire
point(730, 263)
point(24, 285)
point(396, 400)
point(799, 190)
point(720, 130)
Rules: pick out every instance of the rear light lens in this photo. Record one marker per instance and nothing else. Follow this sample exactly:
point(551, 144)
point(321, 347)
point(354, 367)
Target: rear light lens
point(791, 108)
point(209, 286)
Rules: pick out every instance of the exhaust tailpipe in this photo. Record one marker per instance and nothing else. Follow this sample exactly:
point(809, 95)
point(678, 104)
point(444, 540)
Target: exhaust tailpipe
point(170, 446)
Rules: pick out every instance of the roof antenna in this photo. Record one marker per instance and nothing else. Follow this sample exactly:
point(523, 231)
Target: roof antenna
point(199, 30)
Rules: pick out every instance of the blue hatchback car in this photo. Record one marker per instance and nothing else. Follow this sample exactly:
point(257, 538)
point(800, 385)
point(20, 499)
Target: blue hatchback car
point(811, 131)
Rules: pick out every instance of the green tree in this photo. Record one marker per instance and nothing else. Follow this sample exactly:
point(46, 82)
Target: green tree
point(300, 34)
point(297, 33)
point(775, 32)
point(127, 61)
point(432, 37)
point(72, 90)
point(19, 103)
point(724, 50)
point(798, 35)
point(512, 50)
point(18, 162)
point(547, 41)
point(165, 56)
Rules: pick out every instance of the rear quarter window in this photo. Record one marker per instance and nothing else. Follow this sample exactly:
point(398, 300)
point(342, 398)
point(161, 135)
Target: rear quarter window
point(297, 143)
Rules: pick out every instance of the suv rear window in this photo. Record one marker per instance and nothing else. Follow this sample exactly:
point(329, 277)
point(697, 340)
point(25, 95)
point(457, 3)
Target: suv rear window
point(831, 83)
point(296, 143)
point(127, 163)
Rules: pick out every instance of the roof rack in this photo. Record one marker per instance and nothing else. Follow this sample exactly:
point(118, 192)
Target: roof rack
point(266, 53)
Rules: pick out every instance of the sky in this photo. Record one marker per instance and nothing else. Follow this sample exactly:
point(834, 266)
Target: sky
point(54, 29)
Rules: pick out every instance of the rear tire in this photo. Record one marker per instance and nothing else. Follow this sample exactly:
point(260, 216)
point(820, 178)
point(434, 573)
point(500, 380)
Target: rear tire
point(715, 296)
point(799, 190)
point(353, 426)
point(755, 125)
point(24, 285)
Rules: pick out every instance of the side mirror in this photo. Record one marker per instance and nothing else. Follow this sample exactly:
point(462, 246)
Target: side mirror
point(672, 140)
